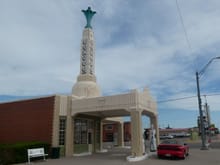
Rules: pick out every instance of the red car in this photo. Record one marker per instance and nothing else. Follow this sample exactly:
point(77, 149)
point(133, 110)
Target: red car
point(173, 148)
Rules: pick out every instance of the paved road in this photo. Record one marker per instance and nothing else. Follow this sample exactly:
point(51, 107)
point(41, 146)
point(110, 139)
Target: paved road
point(196, 157)
point(213, 145)
point(117, 156)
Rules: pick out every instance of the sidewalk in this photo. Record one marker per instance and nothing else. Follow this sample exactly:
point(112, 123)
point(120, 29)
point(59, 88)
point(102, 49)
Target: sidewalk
point(118, 157)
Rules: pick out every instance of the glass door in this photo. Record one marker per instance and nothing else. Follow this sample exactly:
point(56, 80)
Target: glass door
point(90, 136)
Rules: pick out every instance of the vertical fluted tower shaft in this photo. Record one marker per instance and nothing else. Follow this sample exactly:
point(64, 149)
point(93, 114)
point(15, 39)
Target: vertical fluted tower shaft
point(87, 59)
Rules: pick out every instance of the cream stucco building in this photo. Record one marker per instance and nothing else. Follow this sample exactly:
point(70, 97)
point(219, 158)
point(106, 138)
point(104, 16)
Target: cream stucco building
point(74, 123)
point(80, 116)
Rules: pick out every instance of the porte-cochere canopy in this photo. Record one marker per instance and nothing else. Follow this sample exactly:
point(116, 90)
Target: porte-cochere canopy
point(116, 105)
point(133, 104)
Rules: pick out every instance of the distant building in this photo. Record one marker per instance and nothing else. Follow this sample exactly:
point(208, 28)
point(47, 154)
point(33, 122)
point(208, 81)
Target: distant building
point(110, 129)
point(111, 132)
point(176, 132)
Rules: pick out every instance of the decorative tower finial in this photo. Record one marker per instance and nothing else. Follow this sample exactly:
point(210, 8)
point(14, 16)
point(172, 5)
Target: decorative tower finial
point(88, 14)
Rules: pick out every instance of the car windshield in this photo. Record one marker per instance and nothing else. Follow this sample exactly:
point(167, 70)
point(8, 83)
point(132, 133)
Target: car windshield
point(172, 142)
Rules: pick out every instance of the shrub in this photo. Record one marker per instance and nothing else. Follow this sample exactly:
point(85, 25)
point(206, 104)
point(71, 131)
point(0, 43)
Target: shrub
point(17, 153)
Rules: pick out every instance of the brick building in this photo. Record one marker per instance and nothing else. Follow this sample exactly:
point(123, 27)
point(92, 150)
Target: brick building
point(110, 132)
point(27, 120)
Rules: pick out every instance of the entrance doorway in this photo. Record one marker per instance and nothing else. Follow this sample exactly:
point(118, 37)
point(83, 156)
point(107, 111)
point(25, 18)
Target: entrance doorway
point(90, 136)
point(83, 136)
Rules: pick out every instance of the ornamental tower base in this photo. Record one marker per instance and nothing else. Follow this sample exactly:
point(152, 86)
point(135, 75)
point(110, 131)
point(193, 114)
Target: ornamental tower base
point(86, 86)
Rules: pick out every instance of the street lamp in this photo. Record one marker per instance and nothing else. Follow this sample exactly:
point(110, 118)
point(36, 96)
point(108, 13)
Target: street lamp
point(198, 75)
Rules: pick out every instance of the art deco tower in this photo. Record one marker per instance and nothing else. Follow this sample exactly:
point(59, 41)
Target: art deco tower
point(86, 85)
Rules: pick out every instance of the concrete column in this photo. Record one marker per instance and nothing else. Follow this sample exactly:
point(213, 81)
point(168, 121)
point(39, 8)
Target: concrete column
point(55, 133)
point(69, 130)
point(121, 134)
point(136, 134)
point(101, 135)
point(154, 121)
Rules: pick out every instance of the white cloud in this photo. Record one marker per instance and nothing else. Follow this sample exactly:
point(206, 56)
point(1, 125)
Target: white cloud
point(138, 44)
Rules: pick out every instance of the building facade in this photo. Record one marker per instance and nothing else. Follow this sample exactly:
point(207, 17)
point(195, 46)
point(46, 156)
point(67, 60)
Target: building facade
point(75, 122)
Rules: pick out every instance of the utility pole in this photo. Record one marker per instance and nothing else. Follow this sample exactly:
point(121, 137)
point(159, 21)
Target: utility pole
point(203, 137)
point(198, 74)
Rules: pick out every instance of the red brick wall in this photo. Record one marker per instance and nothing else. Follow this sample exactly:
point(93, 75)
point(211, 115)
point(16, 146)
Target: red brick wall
point(108, 132)
point(127, 131)
point(27, 120)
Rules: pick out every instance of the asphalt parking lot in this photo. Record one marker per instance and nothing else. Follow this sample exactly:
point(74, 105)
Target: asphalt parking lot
point(117, 156)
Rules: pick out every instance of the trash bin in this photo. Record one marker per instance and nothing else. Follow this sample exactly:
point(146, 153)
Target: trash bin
point(55, 152)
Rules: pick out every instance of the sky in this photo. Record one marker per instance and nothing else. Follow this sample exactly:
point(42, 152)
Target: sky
point(158, 44)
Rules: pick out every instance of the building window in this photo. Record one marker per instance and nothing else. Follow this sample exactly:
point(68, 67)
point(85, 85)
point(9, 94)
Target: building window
point(109, 137)
point(80, 134)
point(109, 127)
point(62, 131)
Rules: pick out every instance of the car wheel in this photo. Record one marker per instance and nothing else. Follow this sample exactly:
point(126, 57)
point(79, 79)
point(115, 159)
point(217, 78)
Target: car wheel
point(184, 155)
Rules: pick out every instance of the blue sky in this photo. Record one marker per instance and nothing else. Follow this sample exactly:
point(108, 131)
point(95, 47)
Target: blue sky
point(138, 44)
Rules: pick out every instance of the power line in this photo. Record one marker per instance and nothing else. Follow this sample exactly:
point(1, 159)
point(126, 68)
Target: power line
point(184, 98)
point(214, 94)
point(185, 32)
point(184, 29)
